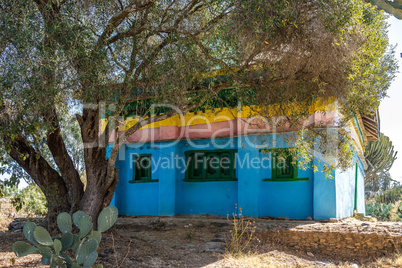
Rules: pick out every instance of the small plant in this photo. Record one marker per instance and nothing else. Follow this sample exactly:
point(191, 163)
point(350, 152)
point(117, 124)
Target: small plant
point(380, 211)
point(84, 244)
point(190, 234)
point(241, 233)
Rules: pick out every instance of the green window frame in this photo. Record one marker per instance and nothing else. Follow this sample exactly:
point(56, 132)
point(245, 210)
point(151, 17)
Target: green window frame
point(213, 165)
point(142, 168)
point(284, 167)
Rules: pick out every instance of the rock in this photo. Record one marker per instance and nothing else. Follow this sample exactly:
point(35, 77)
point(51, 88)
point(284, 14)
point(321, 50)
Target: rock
point(201, 225)
point(220, 224)
point(333, 220)
point(211, 246)
point(268, 218)
point(218, 240)
point(309, 219)
point(191, 246)
point(354, 265)
point(365, 224)
point(310, 254)
point(282, 218)
point(216, 250)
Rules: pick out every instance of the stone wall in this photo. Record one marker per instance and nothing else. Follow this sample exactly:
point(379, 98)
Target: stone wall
point(348, 239)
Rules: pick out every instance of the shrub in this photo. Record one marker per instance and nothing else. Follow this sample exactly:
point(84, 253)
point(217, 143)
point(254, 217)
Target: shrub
point(389, 196)
point(241, 233)
point(29, 200)
point(380, 211)
point(84, 244)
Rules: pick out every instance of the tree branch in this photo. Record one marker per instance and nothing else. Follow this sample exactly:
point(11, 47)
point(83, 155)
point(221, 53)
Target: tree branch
point(63, 160)
point(118, 18)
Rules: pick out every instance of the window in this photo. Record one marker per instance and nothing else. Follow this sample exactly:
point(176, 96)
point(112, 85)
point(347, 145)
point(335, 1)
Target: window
point(216, 165)
point(284, 167)
point(142, 168)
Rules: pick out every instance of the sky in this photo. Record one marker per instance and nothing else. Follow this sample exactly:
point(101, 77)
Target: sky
point(391, 107)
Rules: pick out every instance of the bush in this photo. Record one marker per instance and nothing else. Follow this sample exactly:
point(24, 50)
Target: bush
point(380, 211)
point(32, 200)
point(29, 200)
point(84, 244)
point(389, 196)
point(241, 233)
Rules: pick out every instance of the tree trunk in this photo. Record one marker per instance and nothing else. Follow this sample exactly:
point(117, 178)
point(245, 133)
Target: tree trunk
point(97, 196)
point(101, 181)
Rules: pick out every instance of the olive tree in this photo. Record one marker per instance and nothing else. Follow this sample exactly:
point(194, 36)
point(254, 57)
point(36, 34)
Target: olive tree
point(100, 59)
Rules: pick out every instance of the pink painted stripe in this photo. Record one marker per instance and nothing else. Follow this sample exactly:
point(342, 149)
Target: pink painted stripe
point(236, 127)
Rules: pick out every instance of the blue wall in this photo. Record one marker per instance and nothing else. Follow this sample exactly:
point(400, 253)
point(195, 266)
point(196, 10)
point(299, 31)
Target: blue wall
point(136, 198)
point(214, 198)
point(317, 197)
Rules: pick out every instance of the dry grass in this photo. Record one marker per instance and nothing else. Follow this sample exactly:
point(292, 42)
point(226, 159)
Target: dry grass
point(278, 259)
point(141, 245)
point(7, 213)
point(389, 261)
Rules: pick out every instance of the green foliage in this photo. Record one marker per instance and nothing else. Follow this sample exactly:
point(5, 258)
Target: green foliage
point(380, 157)
point(55, 55)
point(392, 7)
point(30, 199)
point(84, 245)
point(399, 213)
point(389, 196)
point(380, 211)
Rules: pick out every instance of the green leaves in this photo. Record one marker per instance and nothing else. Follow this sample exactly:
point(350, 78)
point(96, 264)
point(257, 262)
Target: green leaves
point(85, 226)
point(22, 249)
point(66, 240)
point(380, 211)
point(42, 236)
point(96, 235)
point(380, 156)
point(64, 222)
point(89, 247)
point(77, 217)
point(107, 218)
point(57, 246)
point(91, 259)
point(28, 231)
point(84, 244)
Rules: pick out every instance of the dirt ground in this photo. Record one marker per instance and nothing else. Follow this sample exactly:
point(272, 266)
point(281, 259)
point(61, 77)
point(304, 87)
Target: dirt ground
point(184, 241)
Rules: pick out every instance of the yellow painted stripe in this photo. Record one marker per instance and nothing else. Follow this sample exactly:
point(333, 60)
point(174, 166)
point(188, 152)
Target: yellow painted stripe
point(226, 114)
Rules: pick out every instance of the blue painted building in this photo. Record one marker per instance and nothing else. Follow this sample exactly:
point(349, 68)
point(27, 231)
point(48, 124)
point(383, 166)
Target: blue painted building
point(164, 176)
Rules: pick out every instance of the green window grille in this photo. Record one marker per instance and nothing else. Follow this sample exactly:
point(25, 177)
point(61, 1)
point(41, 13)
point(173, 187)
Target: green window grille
point(216, 165)
point(142, 168)
point(283, 165)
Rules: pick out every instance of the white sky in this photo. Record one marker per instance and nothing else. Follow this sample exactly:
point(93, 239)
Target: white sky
point(391, 108)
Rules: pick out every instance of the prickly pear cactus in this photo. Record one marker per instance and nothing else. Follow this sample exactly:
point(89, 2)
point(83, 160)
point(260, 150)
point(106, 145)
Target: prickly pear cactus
point(84, 244)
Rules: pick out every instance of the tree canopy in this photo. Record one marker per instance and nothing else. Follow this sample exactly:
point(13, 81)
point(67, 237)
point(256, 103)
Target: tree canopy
point(392, 7)
point(62, 57)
